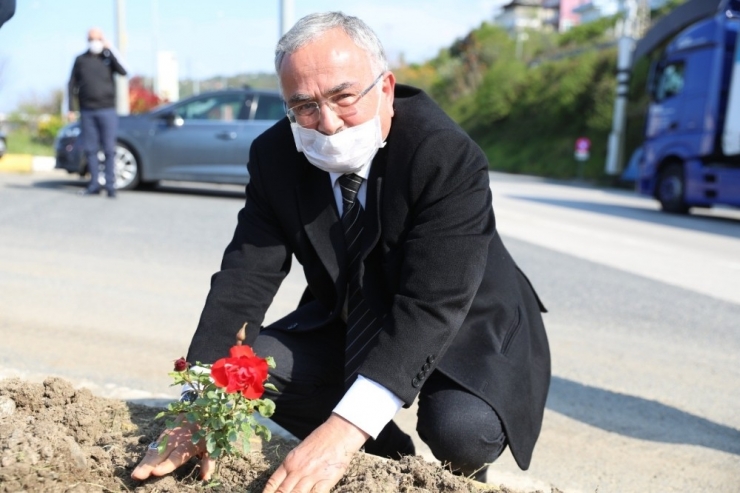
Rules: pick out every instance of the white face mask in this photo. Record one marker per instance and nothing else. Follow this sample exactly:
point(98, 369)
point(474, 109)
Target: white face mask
point(95, 46)
point(344, 152)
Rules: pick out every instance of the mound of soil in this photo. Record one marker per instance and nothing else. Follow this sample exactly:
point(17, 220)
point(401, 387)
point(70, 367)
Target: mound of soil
point(55, 438)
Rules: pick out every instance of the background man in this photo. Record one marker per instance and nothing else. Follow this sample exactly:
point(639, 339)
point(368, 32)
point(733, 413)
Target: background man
point(92, 81)
point(386, 204)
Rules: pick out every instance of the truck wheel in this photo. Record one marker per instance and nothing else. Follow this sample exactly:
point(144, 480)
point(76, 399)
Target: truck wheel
point(671, 189)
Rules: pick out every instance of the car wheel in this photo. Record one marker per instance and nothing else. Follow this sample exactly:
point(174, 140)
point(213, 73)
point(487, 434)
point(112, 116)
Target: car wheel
point(671, 189)
point(126, 168)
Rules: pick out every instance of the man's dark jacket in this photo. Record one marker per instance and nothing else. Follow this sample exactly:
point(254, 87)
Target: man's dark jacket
point(92, 80)
point(434, 267)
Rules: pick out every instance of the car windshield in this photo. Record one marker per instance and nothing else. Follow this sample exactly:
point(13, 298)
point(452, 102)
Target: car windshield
point(162, 106)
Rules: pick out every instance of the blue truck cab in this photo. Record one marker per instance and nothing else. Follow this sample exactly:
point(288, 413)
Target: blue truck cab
point(691, 149)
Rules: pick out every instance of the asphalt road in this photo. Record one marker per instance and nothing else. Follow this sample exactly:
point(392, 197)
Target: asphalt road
point(643, 320)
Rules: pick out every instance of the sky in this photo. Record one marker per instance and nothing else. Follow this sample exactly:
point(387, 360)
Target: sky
point(218, 37)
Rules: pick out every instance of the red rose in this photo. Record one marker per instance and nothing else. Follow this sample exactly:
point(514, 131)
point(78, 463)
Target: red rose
point(242, 372)
point(181, 364)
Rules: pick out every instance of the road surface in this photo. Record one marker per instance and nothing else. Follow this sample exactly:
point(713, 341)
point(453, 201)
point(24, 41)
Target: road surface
point(643, 315)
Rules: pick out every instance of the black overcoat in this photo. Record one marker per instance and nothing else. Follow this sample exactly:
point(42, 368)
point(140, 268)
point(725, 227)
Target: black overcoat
point(434, 266)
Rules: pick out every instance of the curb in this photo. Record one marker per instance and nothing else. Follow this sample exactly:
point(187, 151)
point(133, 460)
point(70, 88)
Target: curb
point(26, 163)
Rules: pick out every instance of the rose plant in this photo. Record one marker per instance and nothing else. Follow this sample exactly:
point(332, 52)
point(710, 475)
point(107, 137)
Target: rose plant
point(223, 399)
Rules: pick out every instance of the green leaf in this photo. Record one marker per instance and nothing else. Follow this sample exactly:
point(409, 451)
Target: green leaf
point(270, 361)
point(211, 444)
point(233, 436)
point(163, 444)
point(271, 387)
point(266, 408)
point(246, 429)
point(264, 432)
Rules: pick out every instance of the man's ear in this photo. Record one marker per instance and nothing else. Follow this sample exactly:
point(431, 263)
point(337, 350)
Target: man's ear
point(389, 87)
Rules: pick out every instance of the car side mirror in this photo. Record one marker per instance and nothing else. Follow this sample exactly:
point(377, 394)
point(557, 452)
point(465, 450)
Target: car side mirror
point(173, 119)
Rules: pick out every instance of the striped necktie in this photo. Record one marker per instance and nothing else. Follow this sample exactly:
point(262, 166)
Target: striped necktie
point(362, 324)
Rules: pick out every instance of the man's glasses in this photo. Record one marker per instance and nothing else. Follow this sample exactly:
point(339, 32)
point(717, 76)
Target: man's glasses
point(343, 104)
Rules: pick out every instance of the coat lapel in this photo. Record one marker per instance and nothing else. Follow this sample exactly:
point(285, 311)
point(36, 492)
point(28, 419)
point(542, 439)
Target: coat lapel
point(371, 234)
point(319, 216)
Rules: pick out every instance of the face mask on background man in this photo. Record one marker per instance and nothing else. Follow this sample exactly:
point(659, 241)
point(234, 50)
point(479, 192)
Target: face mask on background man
point(95, 46)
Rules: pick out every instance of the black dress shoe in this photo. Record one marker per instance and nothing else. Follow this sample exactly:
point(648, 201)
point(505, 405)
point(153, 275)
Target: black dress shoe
point(89, 191)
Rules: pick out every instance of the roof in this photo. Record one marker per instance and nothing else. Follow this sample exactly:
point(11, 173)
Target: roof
point(668, 26)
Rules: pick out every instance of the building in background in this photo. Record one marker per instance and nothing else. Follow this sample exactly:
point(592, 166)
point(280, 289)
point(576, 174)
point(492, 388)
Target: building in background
point(521, 15)
point(564, 16)
point(569, 13)
point(595, 9)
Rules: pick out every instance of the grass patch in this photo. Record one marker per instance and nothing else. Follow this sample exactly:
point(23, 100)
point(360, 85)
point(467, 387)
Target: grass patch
point(21, 141)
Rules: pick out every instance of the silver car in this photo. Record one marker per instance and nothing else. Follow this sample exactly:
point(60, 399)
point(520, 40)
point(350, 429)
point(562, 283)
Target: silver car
point(204, 138)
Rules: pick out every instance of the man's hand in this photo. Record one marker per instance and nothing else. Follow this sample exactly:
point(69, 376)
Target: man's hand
point(319, 461)
point(71, 117)
point(179, 450)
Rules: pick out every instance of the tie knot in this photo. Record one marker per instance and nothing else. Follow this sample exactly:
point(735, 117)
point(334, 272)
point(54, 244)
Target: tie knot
point(349, 185)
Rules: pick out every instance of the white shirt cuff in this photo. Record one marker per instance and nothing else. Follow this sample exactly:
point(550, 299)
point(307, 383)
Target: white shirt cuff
point(368, 405)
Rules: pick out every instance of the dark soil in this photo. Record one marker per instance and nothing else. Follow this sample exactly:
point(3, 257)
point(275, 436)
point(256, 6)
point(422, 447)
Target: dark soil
point(55, 438)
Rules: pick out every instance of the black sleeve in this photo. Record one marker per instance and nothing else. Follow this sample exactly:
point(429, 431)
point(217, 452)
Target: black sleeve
point(114, 63)
point(253, 267)
point(72, 85)
point(7, 9)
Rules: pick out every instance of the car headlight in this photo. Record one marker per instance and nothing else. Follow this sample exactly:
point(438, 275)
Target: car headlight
point(70, 131)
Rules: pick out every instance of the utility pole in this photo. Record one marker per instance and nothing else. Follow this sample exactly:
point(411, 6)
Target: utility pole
point(636, 21)
point(122, 103)
point(286, 16)
point(155, 46)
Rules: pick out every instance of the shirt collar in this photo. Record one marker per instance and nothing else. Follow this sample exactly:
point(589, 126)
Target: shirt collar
point(363, 173)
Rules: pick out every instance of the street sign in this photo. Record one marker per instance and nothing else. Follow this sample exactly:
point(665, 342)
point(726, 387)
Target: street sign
point(583, 148)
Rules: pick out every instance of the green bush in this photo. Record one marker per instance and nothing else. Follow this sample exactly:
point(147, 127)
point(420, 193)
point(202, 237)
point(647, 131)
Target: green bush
point(47, 129)
point(540, 112)
point(21, 140)
point(587, 33)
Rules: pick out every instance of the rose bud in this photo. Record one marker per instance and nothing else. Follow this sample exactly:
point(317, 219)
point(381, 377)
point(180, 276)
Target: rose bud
point(181, 364)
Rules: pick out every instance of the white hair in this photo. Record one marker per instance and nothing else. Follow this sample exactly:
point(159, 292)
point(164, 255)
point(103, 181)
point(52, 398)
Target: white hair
point(314, 26)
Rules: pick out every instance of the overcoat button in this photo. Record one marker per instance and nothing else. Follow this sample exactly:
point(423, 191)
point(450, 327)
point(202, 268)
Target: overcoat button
point(415, 382)
point(431, 358)
point(293, 326)
point(426, 367)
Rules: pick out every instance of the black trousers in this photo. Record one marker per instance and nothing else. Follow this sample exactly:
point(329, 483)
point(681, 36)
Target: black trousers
point(98, 131)
point(462, 430)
